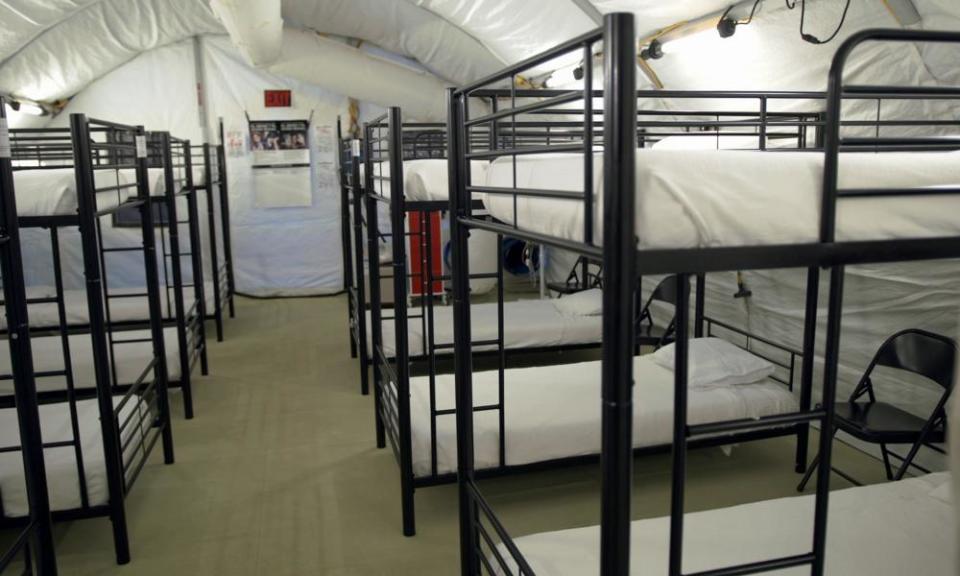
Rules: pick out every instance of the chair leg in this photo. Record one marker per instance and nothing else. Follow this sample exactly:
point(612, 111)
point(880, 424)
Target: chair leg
point(886, 461)
point(809, 474)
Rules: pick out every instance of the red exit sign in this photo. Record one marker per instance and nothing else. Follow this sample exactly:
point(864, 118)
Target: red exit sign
point(277, 98)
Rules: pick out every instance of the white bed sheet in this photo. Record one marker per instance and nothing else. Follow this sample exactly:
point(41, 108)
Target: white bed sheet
point(526, 324)
point(54, 192)
point(702, 198)
point(62, 475)
point(424, 180)
point(888, 529)
point(132, 359)
point(121, 309)
point(554, 412)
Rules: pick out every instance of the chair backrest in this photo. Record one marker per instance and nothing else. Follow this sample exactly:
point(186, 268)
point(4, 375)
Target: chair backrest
point(921, 352)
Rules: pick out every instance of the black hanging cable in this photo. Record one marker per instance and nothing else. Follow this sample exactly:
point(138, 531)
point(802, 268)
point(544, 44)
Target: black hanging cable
point(803, 13)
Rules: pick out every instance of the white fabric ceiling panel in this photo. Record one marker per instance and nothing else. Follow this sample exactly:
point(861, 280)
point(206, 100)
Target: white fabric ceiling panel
point(90, 42)
point(24, 20)
point(400, 26)
point(514, 30)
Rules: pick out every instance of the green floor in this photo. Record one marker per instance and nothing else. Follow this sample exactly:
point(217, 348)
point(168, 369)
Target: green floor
point(278, 473)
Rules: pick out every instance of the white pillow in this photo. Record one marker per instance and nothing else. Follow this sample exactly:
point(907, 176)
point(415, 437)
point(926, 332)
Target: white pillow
point(585, 303)
point(943, 493)
point(714, 362)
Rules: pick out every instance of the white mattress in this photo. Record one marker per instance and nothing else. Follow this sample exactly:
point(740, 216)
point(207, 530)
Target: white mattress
point(554, 412)
point(702, 198)
point(121, 309)
point(132, 359)
point(62, 474)
point(889, 529)
point(54, 192)
point(526, 324)
point(423, 180)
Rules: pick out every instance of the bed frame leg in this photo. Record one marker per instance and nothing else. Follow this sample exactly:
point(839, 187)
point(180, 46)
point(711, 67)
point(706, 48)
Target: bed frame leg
point(409, 515)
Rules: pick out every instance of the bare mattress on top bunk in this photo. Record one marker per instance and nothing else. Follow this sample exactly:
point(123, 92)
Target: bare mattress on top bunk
point(891, 529)
point(703, 198)
point(424, 180)
point(53, 192)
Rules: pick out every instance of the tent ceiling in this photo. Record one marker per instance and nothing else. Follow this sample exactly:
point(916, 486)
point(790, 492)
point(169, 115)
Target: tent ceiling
point(51, 49)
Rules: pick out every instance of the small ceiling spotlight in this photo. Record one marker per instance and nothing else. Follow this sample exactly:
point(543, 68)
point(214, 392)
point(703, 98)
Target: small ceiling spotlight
point(578, 72)
point(727, 27)
point(653, 51)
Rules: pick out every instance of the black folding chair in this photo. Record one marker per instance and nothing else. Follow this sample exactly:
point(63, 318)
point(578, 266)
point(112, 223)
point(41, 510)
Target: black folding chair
point(649, 333)
point(920, 352)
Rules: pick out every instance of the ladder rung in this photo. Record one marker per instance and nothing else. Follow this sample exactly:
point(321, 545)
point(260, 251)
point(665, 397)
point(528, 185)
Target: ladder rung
point(447, 345)
point(129, 295)
point(133, 341)
point(872, 192)
point(484, 408)
point(762, 566)
point(895, 141)
point(46, 300)
point(753, 423)
point(39, 374)
point(123, 249)
point(911, 90)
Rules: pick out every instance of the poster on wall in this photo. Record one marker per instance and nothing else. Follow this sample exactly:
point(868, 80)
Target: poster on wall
point(281, 163)
point(279, 143)
point(236, 145)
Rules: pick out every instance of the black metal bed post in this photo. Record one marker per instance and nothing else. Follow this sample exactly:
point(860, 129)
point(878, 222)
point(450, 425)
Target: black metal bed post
point(21, 362)
point(225, 221)
point(153, 298)
point(359, 297)
point(619, 272)
point(87, 211)
point(807, 364)
point(828, 221)
point(173, 233)
point(401, 333)
point(196, 259)
point(212, 227)
point(345, 238)
point(372, 360)
point(700, 303)
point(679, 446)
point(462, 356)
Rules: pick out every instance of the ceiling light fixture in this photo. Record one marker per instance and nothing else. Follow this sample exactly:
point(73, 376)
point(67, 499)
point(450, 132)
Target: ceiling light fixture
point(24, 107)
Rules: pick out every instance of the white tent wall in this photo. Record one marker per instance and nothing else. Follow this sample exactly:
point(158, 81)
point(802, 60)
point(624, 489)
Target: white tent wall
point(277, 251)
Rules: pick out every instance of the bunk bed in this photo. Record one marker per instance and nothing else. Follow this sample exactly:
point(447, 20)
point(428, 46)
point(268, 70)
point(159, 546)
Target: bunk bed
point(519, 431)
point(171, 197)
point(831, 240)
point(213, 184)
point(96, 440)
point(31, 551)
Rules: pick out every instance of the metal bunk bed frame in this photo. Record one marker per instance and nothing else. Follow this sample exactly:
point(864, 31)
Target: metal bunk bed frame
point(89, 146)
point(176, 160)
point(34, 544)
point(623, 262)
point(214, 187)
point(391, 376)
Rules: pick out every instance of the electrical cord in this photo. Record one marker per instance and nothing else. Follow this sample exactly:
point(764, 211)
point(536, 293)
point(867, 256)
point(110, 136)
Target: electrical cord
point(803, 13)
